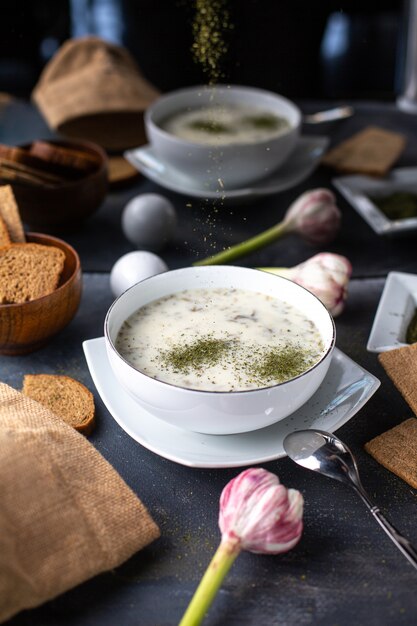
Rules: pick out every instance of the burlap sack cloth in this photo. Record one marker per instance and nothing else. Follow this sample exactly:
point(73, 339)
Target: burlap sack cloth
point(65, 513)
point(94, 90)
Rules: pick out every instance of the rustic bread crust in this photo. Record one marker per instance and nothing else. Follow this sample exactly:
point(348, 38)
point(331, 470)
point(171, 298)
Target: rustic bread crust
point(4, 234)
point(9, 211)
point(79, 160)
point(29, 271)
point(44, 167)
point(66, 397)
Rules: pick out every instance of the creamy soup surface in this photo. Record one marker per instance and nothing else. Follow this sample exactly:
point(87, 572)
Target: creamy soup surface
point(225, 124)
point(220, 340)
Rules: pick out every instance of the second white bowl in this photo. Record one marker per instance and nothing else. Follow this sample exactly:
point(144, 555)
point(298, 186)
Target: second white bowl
point(232, 164)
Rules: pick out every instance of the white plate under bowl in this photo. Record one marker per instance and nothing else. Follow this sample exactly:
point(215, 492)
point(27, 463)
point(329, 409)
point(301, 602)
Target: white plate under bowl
point(301, 163)
point(357, 189)
point(344, 391)
point(396, 308)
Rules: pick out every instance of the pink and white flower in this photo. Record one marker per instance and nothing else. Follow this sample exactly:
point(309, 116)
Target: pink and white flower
point(314, 216)
point(326, 275)
point(260, 513)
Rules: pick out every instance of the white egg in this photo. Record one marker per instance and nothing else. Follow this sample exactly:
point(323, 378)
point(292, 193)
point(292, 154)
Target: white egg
point(149, 221)
point(134, 267)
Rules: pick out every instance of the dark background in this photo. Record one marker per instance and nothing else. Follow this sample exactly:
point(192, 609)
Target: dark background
point(307, 49)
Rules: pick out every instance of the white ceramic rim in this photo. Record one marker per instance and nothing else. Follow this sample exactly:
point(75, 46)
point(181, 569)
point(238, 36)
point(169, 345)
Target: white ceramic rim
point(206, 391)
point(150, 111)
point(383, 312)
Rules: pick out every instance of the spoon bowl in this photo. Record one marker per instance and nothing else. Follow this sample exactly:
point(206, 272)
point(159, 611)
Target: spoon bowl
point(324, 453)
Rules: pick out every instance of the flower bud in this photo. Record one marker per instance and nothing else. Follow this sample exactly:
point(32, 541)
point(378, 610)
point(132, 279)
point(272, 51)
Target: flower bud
point(314, 216)
point(326, 275)
point(260, 514)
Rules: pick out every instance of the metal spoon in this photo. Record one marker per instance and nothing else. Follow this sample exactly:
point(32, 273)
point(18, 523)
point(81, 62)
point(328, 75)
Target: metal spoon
point(338, 113)
point(324, 453)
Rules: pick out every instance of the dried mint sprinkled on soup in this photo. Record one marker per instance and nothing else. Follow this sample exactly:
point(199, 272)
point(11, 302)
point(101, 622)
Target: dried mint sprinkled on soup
point(196, 355)
point(208, 126)
point(278, 364)
point(220, 340)
point(268, 121)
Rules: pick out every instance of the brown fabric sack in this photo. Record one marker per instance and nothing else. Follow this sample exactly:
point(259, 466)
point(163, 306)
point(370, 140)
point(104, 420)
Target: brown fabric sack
point(93, 90)
point(65, 513)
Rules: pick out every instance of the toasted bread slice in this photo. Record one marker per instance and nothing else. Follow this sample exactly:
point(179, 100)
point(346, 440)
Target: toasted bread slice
point(20, 170)
point(77, 159)
point(25, 158)
point(29, 271)
point(4, 234)
point(9, 211)
point(372, 151)
point(64, 396)
point(10, 176)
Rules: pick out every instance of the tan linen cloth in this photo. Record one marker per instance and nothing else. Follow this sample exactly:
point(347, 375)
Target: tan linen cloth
point(65, 513)
point(94, 90)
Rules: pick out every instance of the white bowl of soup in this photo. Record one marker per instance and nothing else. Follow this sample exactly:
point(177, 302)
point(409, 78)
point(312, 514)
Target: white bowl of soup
point(219, 350)
point(223, 137)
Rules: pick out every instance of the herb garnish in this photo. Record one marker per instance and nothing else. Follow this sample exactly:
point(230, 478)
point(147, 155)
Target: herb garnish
point(211, 23)
point(399, 205)
point(203, 352)
point(279, 364)
point(209, 126)
point(411, 335)
point(264, 121)
point(264, 365)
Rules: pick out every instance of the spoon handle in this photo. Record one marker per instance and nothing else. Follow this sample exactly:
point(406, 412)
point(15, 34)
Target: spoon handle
point(338, 113)
point(398, 539)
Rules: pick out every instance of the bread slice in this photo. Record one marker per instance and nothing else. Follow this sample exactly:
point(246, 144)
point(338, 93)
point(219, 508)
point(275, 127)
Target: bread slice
point(13, 170)
point(4, 234)
point(9, 211)
point(64, 396)
point(9, 176)
point(77, 159)
point(22, 156)
point(372, 151)
point(29, 271)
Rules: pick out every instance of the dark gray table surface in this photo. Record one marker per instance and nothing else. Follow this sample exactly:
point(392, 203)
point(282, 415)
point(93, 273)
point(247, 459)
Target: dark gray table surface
point(344, 571)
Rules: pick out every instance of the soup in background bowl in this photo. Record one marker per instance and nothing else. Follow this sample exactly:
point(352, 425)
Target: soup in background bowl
point(170, 392)
point(223, 137)
point(225, 124)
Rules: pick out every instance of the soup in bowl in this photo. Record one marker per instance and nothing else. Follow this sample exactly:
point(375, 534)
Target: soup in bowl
point(223, 137)
point(219, 350)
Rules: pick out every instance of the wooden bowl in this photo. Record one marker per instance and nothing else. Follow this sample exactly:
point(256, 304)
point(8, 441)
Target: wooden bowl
point(64, 207)
point(28, 326)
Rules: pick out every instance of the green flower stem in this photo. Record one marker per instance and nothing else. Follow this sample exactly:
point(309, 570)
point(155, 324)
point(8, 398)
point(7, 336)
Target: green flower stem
point(209, 585)
point(248, 246)
point(285, 272)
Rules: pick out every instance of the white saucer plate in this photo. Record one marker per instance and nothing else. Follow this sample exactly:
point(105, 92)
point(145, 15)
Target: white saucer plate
point(301, 163)
point(344, 391)
point(395, 309)
point(357, 189)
